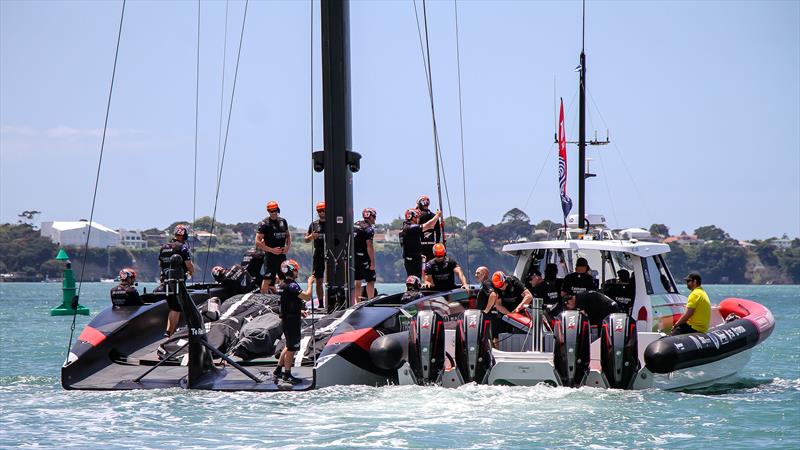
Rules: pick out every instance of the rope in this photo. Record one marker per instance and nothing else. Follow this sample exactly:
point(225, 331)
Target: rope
point(196, 119)
point(222, 89)
point(311, 132)
point(97, 178)
point(461, 135)
point(225, 144)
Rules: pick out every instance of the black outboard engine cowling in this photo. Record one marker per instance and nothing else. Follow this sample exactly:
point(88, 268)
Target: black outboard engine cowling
point(572, 339)
point(619, 352)
point(426, 347)
point(473, 346)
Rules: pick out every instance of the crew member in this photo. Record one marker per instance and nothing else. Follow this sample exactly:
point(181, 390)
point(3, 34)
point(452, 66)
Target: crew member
point(698, 309)
point(316, 233)
point(579, 281)
point(125, 294)
point(621, 290)
point(509, 292)
point(274, 239)
point(547, 288)
point(482, 301)
point(177, 246)
point(432, 236)
point(364, 253)
point(413, 287)
point(441, 271)
point(292, 310)
point(411, 240)
point(596, 306)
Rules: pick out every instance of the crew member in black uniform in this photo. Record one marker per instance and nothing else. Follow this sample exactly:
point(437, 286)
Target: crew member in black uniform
point(432, 236)
point(125, 294)
point(413, 287)
point(441, 271)
point(411, 240)
point(482, 301)
point(274, 239)
point(509, 292)
point(579, 281)
point(293, 309)
point(621, 290)
point(596, 306)
point(316, 233)
point(364, 258)
point(548, 289)
point(177, 246)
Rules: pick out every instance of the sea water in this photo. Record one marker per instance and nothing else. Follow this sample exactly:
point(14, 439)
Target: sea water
point(759, 409)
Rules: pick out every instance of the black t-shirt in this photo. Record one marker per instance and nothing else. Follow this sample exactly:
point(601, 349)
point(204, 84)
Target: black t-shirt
point(596, 306)
point(575, 283)
point(433, 235)
point(174, 247)
point(442, 274)
point(549, 291)
point(622, 293)
point(291, 304)
point(411, 239)
point(274, 231)
point(318, 226)
point(125, 295)
point(363, 232)
point(483, 295)
point(511, 295)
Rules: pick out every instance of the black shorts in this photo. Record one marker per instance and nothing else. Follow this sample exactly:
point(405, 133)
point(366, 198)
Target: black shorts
point(172, 300)
point(319, 267)
point(363, 271)
point(413, 265)
point(291, 331)
point(272, 267)
point(497, 324)
point(427, 251)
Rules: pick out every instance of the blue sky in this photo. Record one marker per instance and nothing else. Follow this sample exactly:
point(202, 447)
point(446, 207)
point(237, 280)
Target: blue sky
point(702, 100)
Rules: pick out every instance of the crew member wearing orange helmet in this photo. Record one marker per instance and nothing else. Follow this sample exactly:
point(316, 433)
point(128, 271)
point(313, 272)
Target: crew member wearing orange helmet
point(509, 292)
point(273, 237)
point(411, 240)
point(441, 271)
point(293, 309)
point(364, 257)
point(316, 233)
point(126, 294)
point(433, 235)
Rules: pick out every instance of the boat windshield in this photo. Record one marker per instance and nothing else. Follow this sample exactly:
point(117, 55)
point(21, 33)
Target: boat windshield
point(657, 278)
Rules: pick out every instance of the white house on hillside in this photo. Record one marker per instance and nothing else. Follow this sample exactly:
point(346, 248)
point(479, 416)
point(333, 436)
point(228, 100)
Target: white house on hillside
point(74, 233)
point(131, 238)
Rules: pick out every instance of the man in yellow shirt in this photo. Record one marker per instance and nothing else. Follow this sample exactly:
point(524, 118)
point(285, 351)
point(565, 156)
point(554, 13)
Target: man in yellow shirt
point(698, 309)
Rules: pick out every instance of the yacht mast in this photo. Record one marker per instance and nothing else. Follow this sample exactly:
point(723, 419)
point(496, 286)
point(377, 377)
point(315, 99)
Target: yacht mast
point(338, 162)
point(582, 130)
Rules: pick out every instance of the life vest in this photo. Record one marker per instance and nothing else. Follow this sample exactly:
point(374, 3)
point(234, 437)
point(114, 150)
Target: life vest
point(125, 295)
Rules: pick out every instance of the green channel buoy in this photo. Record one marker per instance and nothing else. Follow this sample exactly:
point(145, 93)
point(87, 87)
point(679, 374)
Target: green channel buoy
point(67, 291)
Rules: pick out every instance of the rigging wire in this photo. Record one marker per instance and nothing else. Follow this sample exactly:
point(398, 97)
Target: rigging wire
point(196, 119)
point(311, 132)
point(96, 179)
point(461, 135)
point(225, 144)
point(222, 88)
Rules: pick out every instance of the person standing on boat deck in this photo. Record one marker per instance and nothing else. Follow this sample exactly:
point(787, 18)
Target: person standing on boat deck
point(547, 288)
point(441, 271)
point(125, 294)
point(698, 309)
point(579, 281)
point(433, 235)
point(509, 292)
point(413, 287)
point(482, 301)
point(621, 290)
point(293, 309)
point(411, 240)
point(316, 233)
point(364, 259)
point(177, 246)
point(273, 237)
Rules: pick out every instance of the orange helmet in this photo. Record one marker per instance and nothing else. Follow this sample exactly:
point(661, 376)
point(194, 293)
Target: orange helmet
point(290, 267)
point(320, 206)
point(127, 274)
point(498, 279)
point(411, 213)
point(180, 230)
point(272, 205)
point(369, 212)
point(423, 202)
point(439, 250)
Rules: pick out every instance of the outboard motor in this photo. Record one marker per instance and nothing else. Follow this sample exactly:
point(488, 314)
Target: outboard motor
point(619, 350)
point(473, 346)
point(572, 339)
point(426, 347)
